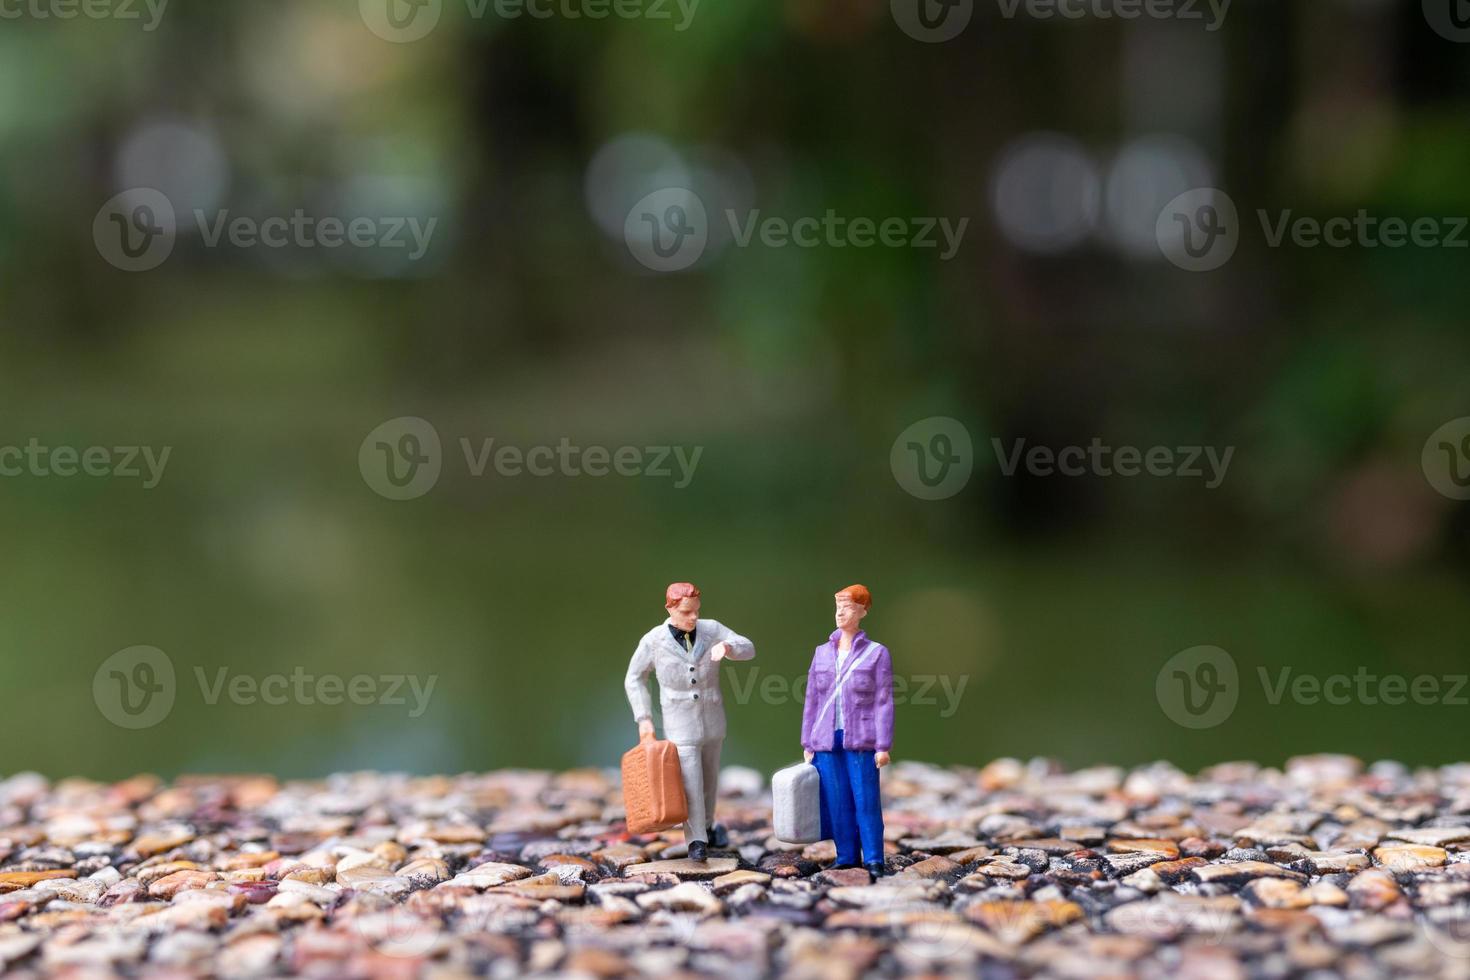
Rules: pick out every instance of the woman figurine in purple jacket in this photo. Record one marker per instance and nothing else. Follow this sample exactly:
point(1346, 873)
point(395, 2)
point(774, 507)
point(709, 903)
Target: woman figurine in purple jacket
point(847, 731)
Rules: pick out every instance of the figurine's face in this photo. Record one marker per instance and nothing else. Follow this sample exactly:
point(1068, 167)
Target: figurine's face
point(849, 613)
point(685, 614)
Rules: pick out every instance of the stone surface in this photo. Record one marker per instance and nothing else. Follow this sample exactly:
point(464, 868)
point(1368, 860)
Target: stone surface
point(1322, 868)
point(1410, 857)
point(685, 868)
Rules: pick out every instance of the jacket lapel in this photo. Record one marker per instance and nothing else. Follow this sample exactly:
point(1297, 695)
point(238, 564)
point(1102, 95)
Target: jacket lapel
point(673, 646)
point(701, 642)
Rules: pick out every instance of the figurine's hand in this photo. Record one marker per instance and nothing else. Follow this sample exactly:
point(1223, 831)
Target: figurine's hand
point(719, 651)
point(807, 754)
point(881, 759)
point(645, 728)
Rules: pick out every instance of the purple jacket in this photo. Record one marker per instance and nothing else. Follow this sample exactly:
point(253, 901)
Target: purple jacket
point(867, 697)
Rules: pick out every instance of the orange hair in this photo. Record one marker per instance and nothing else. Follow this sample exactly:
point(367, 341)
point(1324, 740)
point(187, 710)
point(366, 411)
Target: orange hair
point(858, 594)
point(678, 592)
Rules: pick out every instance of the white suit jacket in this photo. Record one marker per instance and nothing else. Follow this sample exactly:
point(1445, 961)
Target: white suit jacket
point(688, 682)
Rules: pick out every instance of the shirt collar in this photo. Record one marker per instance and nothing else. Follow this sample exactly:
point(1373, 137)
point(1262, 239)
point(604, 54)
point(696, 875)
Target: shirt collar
point(860, 636)
point(675, 639)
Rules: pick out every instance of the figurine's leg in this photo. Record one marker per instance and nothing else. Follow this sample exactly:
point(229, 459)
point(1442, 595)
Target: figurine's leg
point(827, 792)
point(844, 817)
point(711, 762)
point(867, 800)
point(691, 765)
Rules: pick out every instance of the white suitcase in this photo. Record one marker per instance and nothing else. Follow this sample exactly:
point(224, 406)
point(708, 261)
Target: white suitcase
point(796, 799)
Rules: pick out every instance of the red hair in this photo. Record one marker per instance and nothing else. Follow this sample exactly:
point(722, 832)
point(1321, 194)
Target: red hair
point(858, 594)
point(678, 592)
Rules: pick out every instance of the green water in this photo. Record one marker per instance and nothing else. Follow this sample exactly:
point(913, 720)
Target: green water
point(507, 608)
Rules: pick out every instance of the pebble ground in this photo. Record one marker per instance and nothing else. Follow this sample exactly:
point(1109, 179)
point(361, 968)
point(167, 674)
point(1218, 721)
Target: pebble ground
point(1322, 868)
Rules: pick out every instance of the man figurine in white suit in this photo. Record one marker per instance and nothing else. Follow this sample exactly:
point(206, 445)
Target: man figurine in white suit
point(684, 652)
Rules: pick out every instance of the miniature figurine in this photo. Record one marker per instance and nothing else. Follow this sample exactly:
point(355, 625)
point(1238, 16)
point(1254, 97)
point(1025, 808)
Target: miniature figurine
point(684, 652)
point(847, 731)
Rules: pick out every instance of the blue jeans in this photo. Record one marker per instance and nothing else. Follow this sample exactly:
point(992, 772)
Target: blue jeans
point(852, 809)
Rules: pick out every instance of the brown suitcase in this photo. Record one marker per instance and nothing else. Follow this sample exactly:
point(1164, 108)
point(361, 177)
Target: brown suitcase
point(653, 787)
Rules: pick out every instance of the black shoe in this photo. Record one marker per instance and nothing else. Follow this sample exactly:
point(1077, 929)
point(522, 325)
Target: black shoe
point(876, 869)
point(717, 836)
point(698, 851)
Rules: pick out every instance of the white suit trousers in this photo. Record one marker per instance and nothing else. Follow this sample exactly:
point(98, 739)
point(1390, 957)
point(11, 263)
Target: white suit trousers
point(699, 764)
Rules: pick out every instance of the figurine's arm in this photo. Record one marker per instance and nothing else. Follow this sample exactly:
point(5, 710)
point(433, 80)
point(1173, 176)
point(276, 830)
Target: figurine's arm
point(636, 683)
point(883, 718)
point(737, 647)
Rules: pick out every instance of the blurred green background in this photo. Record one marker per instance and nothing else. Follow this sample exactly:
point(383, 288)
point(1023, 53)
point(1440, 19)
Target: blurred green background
point(1055, 600)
